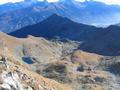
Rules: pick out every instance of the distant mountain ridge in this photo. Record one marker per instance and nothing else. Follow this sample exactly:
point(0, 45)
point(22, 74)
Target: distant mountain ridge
point(87, 13)
point(8, 7)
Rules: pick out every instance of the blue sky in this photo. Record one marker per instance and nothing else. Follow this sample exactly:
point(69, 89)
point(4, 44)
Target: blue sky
point(105, 1)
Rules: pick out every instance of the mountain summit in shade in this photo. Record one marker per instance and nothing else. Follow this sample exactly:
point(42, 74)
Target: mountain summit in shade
point(103, 41)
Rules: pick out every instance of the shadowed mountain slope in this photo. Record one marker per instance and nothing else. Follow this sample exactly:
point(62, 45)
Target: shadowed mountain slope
point(103, 41)
point(56, 25)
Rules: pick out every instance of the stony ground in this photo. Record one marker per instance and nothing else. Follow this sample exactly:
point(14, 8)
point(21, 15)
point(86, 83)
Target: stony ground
point(56, 65)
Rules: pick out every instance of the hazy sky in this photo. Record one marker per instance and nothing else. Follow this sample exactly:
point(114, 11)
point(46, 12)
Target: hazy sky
point(105, 1)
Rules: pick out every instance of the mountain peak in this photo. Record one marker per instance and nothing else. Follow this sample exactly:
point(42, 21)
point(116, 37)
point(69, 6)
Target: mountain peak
point(54, 25)
point(56, 16)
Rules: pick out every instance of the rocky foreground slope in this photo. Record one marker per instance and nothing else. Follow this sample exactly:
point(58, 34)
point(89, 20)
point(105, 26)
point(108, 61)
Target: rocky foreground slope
point(38, 64)
point(16, 75)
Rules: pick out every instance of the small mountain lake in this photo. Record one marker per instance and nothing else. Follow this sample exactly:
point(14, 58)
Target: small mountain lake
point(28, 60)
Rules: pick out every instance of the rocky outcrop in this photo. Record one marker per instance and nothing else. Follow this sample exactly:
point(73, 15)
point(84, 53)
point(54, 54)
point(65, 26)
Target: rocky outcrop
point(15, 77)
